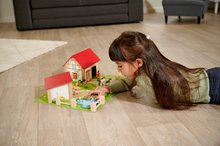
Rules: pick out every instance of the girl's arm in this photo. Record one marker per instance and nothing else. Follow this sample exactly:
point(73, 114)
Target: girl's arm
point(117, 86)
point(121, 85)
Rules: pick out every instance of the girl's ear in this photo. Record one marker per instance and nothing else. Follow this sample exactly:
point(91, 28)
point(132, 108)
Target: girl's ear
point(139, 62)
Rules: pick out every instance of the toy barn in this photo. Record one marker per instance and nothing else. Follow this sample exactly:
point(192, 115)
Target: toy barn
point(83, 65)
point(59, 85)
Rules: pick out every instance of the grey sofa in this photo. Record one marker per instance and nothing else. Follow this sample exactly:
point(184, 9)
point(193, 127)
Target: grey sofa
point(36, 14)
point(185, 8)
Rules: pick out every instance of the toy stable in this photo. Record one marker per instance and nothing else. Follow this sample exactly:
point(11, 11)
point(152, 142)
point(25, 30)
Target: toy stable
point(83, 65)
point(59, 85)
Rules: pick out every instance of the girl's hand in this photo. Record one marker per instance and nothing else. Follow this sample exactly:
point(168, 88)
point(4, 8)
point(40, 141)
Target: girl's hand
point(98, 92)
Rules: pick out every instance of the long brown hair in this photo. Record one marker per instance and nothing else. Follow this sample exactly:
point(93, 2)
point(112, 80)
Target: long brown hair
point(167, 77)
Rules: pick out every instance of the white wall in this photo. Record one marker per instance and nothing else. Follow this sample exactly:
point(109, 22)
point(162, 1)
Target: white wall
point(7, 11)
point(152, 6)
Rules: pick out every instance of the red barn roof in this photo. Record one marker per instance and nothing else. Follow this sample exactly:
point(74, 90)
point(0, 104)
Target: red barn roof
point(85, 58)
point(57, 80)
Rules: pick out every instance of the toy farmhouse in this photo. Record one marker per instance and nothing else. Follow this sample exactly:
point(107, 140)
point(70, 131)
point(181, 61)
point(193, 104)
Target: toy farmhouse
point(58, 86)
point(83, 65)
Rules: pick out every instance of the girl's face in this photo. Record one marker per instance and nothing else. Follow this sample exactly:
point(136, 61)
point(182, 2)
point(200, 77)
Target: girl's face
point(127, 69)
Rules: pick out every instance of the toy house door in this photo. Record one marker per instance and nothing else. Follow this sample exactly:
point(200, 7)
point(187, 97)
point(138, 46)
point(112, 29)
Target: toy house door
point(94, 71)
point(75, 76)
point(88, 75)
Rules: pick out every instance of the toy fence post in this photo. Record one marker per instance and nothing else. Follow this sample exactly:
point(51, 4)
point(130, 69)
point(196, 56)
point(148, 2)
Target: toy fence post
point(49, 96)
point(70, 90)
point(58, 100)
point(102, 99)
point(93, 107)
point(73, 102)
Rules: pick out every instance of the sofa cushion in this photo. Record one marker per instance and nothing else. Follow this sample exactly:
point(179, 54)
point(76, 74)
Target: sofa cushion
point(80, 21)
point(53, 3)
point(101, 2)
point(183, 2)
point(68, 3)
point(79, 11)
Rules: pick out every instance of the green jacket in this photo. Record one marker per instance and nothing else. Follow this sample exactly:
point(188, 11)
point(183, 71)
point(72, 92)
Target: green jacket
point(198, 95)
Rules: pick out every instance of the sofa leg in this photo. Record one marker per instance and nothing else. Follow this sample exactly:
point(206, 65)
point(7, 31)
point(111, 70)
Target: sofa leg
point(202, 16)
point(198, 19)
point(179, 18)
point(166, 18)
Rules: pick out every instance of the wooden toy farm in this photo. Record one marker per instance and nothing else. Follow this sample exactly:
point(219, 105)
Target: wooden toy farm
point(70, 88)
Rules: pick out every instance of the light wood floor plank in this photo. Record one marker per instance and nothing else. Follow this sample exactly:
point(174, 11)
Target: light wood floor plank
point(108, 128)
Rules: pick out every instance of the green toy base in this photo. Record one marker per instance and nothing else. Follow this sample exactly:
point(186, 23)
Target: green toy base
point(85, 86)
point(44, 99)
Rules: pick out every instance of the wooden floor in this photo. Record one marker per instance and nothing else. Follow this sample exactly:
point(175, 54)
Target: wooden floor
point(123, 121)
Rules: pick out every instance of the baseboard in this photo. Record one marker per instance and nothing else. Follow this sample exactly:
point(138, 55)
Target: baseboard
point(7, 19)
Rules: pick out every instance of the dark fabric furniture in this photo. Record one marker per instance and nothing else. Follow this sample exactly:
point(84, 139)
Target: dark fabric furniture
point(35, 14)
point(185, 8)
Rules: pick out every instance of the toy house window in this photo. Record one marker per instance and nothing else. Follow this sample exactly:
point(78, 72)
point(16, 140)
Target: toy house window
point(73, 65)
point(78, 67)
point(74, 75)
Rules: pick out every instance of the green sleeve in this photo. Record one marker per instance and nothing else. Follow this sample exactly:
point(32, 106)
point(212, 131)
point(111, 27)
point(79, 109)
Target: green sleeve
point(121, 85)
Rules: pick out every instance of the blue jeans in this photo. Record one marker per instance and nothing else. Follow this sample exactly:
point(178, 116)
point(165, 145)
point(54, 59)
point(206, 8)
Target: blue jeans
point(214, 84)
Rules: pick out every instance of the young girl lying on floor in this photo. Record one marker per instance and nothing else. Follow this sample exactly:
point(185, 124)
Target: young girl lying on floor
point(173, 85)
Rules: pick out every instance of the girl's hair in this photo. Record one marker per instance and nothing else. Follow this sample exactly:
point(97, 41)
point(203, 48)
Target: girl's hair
point(170, 80)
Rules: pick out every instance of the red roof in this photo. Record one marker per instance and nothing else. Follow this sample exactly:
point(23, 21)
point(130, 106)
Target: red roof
point(85, 58)
point(57, 80)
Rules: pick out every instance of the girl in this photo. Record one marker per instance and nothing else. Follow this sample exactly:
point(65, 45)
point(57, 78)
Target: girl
point(173, 85)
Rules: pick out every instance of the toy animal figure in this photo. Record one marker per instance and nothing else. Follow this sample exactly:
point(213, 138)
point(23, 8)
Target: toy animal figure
point(108, 81)
point(76, 90)
point(80, 83)
point(98, 81)
point(105, 81)
point(98, 75)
